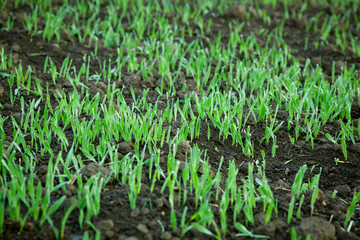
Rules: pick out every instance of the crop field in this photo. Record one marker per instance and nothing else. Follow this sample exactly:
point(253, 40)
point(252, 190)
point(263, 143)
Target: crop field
point(179, 119)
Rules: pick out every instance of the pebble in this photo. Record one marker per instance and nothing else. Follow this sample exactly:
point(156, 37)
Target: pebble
point(148, 83)
point(94, 168)
point(102, 86)
point(131, 238)
point(16, 47)
point(355, 147)
point(8, 106)
point(1, 91)
point(64, 34)
point(153, 224)
point(15, 58)
point(343, 190)
point(340, 65)
point(184, 147)
point(254, 13)
point(166, 236)
point(109, 234)
point(159, 202)
point(105, 225)
point(142, 228)
point(235, 12)
point(281, 184)
point(316, 61)
point(3, 15)
point(135, 212)
point(71, 190)
point(93, 90)
point(149, 236)
point(146, 211)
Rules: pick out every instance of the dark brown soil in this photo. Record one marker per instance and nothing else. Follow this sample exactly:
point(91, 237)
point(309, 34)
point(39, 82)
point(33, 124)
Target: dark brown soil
point(151, 217)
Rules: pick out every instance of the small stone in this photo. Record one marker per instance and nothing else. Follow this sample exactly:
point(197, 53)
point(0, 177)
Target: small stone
point(105, 225)
point(355, 147)
point(131, 238)
point(149, 236)
point(71, 190)
point(93, 90)
point(20, 16)
point(15, 58)
point(58, 86)
point(316, 61)
point(235, 12)
point(142, 228)
point(16, 47)
point(148, 83)
point(8, 106)
point(94, 168)
point(1, 91)
point(159, 202)
point(102, 86)
point(159, 82)
point(3, 15)
point(184, 147)
point(109, 234)
point(17, 116)
point(343, 190)
point(281, 184)
point(67, 83)
point(29, 226)
point(182, 165)
point(135, 212)
point(6, 143)
point(121, 237)
point(254, 13)
point(64, 34)
point(166, 236)
point(146, 211)
point(340, 65)
point(133, 80)
point(153, 224)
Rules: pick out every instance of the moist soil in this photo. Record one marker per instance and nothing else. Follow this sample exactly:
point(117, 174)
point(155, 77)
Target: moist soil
point(151, 218)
